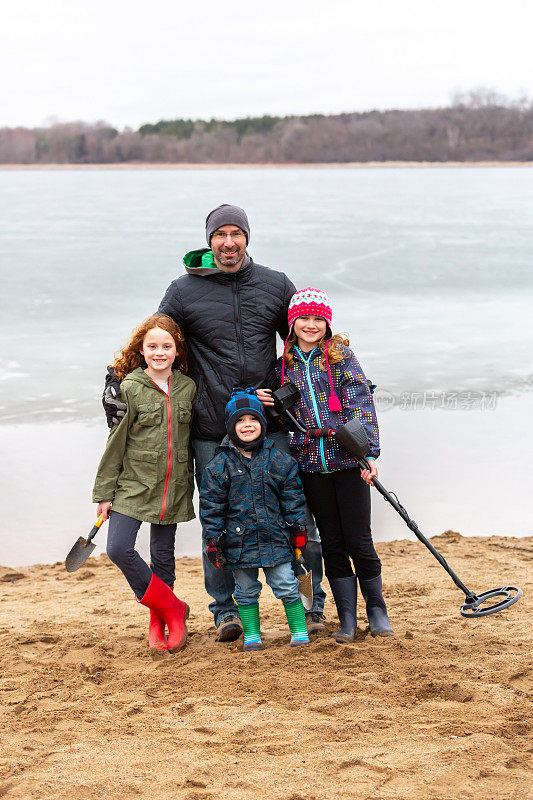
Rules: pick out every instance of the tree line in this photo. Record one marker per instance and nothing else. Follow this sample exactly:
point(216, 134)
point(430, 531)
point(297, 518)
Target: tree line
point(478, 126)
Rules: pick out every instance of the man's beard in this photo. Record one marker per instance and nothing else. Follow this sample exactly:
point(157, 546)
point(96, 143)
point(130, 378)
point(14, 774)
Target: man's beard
point(229, 259)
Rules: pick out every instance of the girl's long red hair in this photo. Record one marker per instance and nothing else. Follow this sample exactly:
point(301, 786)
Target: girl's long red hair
point(130, 357)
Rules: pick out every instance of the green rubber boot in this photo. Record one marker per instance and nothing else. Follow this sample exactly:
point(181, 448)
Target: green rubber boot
point(296, 619)
point(250, 623)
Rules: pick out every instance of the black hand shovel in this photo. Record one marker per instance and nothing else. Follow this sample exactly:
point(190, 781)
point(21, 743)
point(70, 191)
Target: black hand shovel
point(83, 548)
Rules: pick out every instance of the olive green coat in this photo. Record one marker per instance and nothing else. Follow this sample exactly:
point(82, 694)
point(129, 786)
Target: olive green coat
point(145, 477)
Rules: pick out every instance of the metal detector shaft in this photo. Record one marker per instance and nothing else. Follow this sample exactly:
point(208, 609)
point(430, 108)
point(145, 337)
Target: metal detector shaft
point(295, 421)
point(411, 524)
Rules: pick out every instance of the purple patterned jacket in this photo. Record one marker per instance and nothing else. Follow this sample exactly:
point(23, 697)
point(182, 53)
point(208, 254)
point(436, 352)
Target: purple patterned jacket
point(324, 454)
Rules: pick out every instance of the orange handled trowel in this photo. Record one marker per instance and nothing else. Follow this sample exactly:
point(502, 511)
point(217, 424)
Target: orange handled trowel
point(305, 582)
point(83, 548)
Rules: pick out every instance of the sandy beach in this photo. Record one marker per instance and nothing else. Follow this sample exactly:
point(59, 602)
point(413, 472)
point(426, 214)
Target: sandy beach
point(440, 711)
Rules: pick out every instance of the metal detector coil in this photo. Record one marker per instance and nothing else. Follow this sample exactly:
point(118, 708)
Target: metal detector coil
point(473, 610)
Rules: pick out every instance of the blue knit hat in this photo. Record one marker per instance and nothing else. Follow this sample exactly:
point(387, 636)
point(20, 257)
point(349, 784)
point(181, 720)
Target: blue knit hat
point(244, 401)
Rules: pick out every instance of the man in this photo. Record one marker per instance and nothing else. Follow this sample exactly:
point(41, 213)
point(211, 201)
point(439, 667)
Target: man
point(229, 309)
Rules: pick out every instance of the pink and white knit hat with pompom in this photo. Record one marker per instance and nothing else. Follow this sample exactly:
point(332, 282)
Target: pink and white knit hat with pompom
point(312, 302)
point(308, 302)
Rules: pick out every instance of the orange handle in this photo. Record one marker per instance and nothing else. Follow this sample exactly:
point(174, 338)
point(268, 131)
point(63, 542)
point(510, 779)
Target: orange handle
point(94, 529)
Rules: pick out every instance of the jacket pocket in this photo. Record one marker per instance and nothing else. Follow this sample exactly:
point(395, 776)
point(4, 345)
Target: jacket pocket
point(233, 540)
point(181, 474)
point(184, 411)
point(149, 414)
point(140, 466)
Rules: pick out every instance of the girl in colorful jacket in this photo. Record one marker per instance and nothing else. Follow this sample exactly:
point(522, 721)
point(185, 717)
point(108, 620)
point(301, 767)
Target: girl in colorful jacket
point(146, 473)
point(334, 390)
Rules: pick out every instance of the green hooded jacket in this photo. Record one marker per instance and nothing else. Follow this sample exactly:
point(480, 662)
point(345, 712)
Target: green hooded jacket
point(147, 469)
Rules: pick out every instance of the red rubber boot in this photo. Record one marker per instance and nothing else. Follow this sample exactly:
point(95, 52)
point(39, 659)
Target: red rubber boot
point(156, 631)
point(161, 599)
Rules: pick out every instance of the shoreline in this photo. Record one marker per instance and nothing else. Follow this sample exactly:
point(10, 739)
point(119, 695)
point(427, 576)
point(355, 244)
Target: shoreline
point(65, 456)
point(324, 165)
point(11, 572)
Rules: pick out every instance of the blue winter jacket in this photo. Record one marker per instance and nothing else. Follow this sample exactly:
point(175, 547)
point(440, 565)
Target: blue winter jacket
point(249, 505)
point(325, 454)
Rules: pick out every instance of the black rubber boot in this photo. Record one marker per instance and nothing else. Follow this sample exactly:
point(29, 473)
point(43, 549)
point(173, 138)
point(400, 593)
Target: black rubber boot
point(345, 595)
point(376, 610)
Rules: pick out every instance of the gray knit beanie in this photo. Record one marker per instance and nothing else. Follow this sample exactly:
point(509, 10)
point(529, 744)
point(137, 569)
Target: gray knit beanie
point(226, 215)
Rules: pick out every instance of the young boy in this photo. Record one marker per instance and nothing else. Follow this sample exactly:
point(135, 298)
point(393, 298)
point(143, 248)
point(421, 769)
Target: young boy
point(252, 509)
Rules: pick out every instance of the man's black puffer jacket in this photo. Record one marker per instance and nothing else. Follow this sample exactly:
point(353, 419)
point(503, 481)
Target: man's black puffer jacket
point(229, 322)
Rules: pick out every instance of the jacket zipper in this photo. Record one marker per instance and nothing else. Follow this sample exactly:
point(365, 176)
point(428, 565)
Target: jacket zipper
point(238, 329)
point(169, 462)
point(307, 362)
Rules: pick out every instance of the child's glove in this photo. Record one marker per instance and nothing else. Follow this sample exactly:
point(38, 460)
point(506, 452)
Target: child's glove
point(215, 556)
point(111, 399)
point(299, 538)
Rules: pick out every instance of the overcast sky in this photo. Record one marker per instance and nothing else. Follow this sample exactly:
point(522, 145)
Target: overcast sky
point(134, 62)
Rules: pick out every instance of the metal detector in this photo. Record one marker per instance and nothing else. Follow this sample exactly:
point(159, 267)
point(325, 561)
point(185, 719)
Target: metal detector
point(353, 438)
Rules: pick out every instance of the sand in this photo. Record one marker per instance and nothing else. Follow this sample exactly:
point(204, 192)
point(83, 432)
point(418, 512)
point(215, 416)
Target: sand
point(441, 710)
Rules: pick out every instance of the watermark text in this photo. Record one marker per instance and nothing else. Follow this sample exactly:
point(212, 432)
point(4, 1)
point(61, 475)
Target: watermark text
point(449, 401)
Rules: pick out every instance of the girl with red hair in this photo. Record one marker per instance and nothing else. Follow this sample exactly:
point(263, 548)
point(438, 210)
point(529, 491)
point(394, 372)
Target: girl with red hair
point(146, 473)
